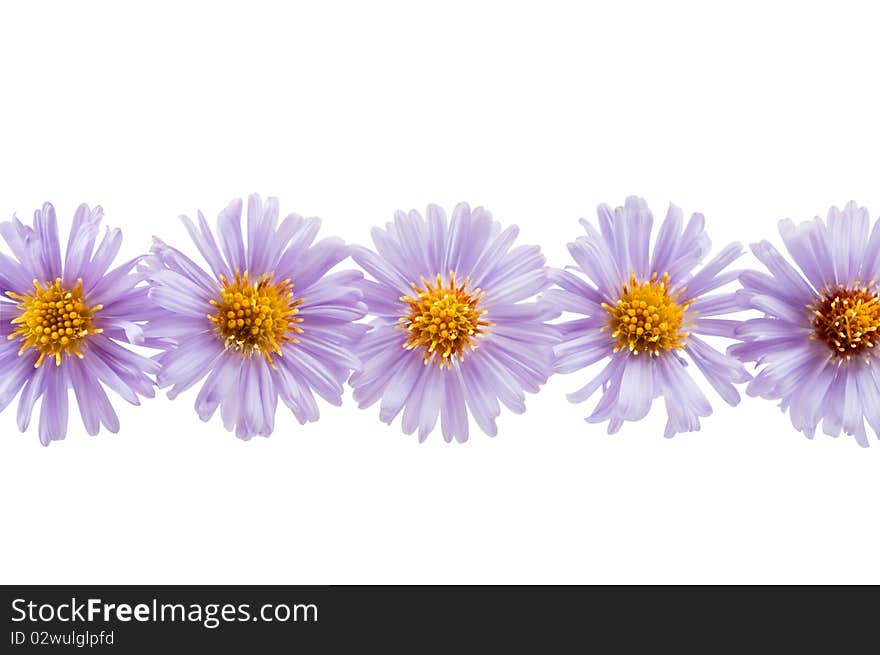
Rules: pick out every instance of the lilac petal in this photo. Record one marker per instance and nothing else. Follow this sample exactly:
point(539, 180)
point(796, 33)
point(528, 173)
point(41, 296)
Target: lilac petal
point(667, 240)
point(396, 255)
point(296, 395)
point(715, 327)
point(103, 257)
point(33, 389)
point(437, 236)
point(46, 227)
point(774, 307)
point(685, 403)
point(637, 390)
point(798, 242)
point(784, 372)
point(54, 408)
point(81, 242)
point(517, 288)
point(290, 227)
point(611, 371)
point(612, 224)
point(433, 398)
point(765, 285)
point(380, 299)
point(24, 244)
point(768, 328)
point(706, 278)
point(178, 301)
point(719, 370)
point(250, 419)
point(319, 259)
point(206, 245)
point(783, 273)
point(316, 374)
point(13, 276)
point(409, 232)
point(596, 263)
point(481, 231)
point(13, 378)
point(605, 409)
point(760, 351)
point(231, 241)
point(870, 267)
point(268, 396)
point(413, 407)
point(457, 236)
point(324, 349)
point(398, 390)
point(493, 255)
point(116, 283)
point(380, 270)
point(184, 366)
point(453, 413)
point(639, 235)
point(566, 301)
point(179, 263)
point(806, 402)
point(692, 248)
point(259, 233)
point(526, 368)
point(713, 305)
point(832, 416)
point(518, 262)
point(853, 416)
point(483, 404)
point(534, 333)
point(849, 234)
point(868, 395)
point(98, 368)
point(568, 281)
point(302, 238)
point(505, 386)
point(83, 389)
point(218, 385)
point(575, 353)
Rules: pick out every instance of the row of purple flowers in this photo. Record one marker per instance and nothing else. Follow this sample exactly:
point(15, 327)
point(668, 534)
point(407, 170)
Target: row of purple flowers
point(459, 320)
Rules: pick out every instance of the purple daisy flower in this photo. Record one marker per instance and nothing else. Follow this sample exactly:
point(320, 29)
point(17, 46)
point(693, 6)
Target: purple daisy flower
point(643, 309)
point(267, 322)
point(62, 323)
point(453, 332)
point(816, 345)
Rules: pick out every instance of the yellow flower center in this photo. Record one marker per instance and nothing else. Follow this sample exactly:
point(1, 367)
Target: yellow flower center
point(256, 317)
point(847, 320)
point(443, 318)
point(647, 318)
point(53, 320)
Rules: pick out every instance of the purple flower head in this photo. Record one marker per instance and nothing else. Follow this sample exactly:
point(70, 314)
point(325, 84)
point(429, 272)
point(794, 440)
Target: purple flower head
point(817, 343)
point(454, 331)
point(62, 323)
point(266, 321)
point(643, 310)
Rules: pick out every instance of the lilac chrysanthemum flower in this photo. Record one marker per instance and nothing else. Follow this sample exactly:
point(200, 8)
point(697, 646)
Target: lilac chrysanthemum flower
point(454, 330)
point(643, 308)
point(817, 343)
point(62, 323)
point(267, 322)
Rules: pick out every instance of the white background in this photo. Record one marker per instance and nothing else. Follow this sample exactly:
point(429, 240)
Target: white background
point(348, 111)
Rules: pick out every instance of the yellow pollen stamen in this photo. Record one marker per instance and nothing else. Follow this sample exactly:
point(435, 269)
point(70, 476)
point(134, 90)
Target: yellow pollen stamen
point(847, 320)
point(444, 318)
point(256, 317)
point(53, 320)
point(646, 318)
